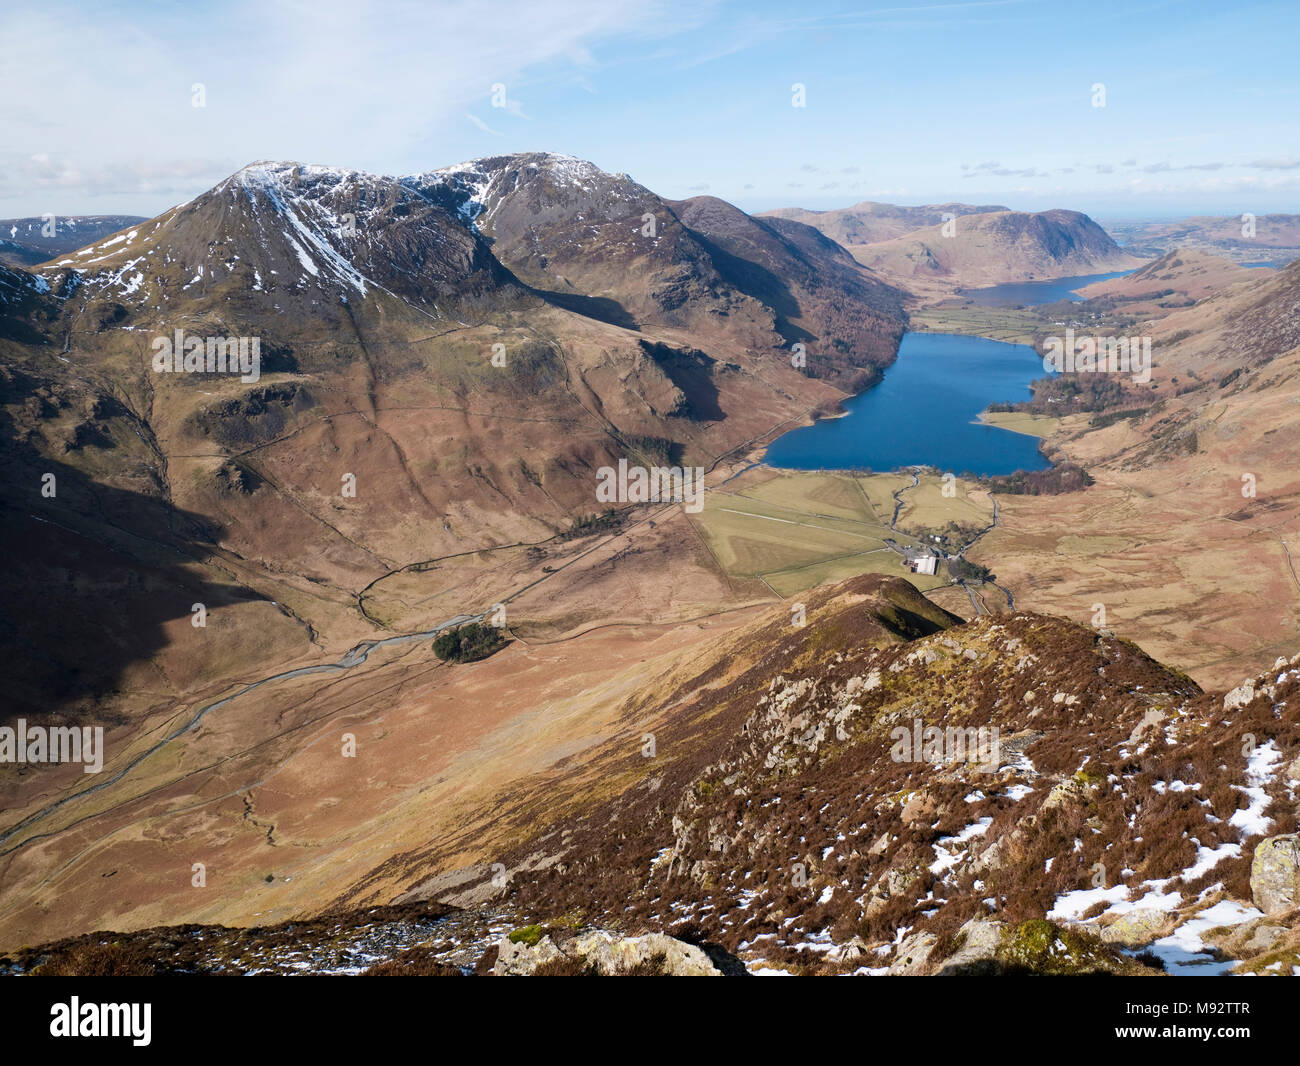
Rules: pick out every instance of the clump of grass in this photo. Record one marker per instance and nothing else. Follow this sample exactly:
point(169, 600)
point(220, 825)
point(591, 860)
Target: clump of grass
point(565, 966)
point(113, 959)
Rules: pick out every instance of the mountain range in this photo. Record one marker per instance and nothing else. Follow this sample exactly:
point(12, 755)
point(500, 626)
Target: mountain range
point(871, 222)
point(955, 246)
point(236, 573)
point(28, 241)
point(1268, 239)
point(379, 305)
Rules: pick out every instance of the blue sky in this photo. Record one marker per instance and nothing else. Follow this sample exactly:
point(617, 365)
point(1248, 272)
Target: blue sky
point(983, 102)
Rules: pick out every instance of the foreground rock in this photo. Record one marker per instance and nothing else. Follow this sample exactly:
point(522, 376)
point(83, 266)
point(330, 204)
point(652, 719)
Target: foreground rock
point(1275, 874)
point(990, 948)
point(531, 952)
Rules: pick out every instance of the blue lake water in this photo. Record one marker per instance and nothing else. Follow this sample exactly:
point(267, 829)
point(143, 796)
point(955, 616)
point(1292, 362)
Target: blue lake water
point(1028, 293)
point(922, 413)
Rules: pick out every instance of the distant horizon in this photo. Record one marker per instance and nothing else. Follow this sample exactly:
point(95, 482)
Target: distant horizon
point(1125, 212)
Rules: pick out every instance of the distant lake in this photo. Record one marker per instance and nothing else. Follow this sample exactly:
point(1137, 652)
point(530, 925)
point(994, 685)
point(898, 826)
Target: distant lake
point(922, 413)
point(1028, 293)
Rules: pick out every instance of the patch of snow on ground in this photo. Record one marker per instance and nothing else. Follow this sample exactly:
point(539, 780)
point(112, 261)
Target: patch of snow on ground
point(1260, 768)
point(1183, 951)
point(1154, 900)
point(1208, 858)
point(1070, 905)
point(947, 855)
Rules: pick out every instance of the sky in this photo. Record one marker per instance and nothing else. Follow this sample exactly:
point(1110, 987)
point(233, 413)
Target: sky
point(132, 107)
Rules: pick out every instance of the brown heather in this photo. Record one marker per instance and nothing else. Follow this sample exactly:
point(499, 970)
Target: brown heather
point(744, 795)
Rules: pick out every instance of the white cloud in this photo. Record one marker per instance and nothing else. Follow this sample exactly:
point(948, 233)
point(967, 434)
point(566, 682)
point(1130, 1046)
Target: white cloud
point(375, 85)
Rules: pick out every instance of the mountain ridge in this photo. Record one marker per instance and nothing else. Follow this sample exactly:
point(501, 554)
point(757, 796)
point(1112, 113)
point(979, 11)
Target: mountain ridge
point(380, 310)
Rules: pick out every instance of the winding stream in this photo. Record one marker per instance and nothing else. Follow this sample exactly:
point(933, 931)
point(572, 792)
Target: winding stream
point(354, 657)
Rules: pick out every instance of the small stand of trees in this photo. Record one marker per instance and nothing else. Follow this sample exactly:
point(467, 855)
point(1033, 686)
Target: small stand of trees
point(961, 570)
point(466, 643)
point(1056, 480)
point(585, 525)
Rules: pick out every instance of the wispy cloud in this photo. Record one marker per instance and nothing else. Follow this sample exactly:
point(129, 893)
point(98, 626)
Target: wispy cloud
point(336, 81)
point(514, 107)
point(742, 32)
point(51, 177)
point(481, 124)
point(999, 171)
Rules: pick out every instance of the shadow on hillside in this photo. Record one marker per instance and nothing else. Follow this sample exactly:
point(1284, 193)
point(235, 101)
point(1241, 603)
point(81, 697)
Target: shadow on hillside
point(761, 284)
point(692, 372)
point(601, 308)
point(93, 575)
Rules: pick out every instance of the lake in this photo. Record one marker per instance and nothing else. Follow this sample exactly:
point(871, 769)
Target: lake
point(1028, 293)
point(922, 413)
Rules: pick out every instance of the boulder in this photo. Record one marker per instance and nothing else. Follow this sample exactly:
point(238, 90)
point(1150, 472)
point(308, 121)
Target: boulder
point(893, 882)
point(991, 857)
point(612, 954)
point(854, 951)
point(978, 942)
point(1263, 937)
point(1137, 928)
point(1151, 720)
point(1275, 873)
point(1042, 947)
point(1239, 696)
point(920, 807)
point(1068, 790)
point(912, 954)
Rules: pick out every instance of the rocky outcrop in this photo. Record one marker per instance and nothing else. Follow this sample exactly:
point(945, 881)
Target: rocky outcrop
point(600, 953)
point(1042, 947)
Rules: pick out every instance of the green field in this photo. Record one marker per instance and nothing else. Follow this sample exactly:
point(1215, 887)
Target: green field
point(926, 507)
point(1022, 422)
point(798, 530)
point(995, 323)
